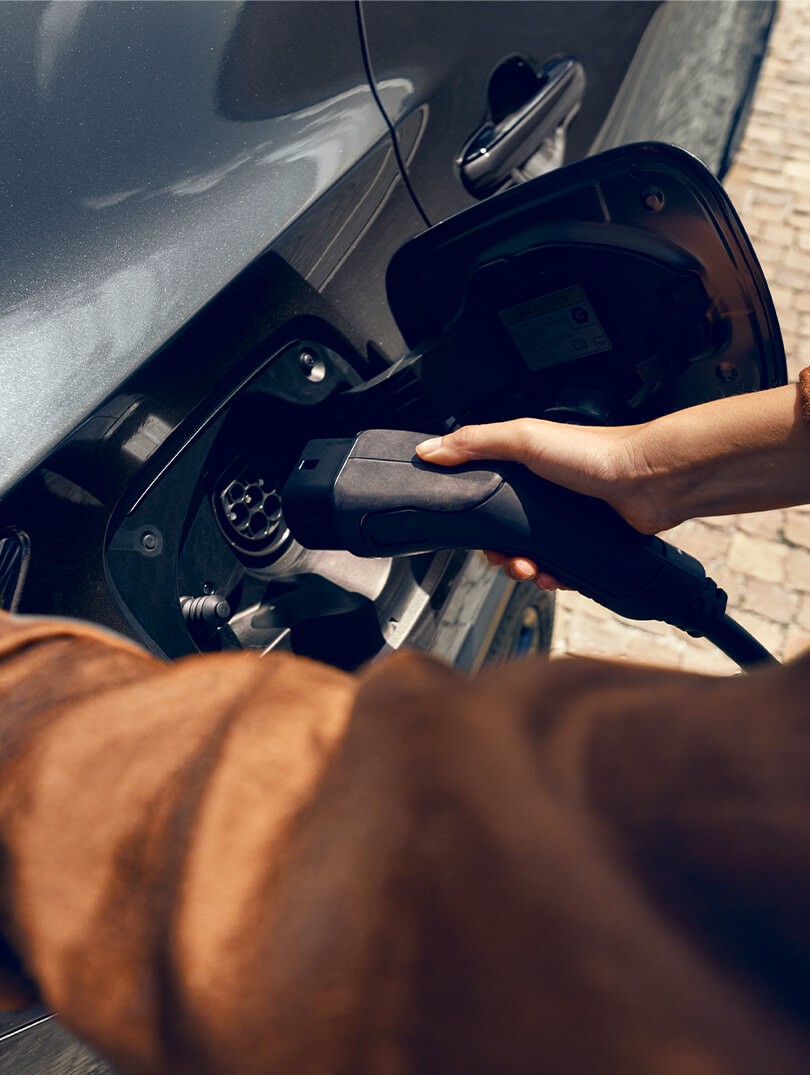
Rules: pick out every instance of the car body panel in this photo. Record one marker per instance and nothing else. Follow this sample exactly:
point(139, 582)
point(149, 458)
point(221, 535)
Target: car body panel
point(692, 79)
point(458, 51)
point(668, 71)
point(146, 175)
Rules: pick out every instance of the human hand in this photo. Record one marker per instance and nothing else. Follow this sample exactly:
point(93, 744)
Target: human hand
point(598, 462)
point(741, 453)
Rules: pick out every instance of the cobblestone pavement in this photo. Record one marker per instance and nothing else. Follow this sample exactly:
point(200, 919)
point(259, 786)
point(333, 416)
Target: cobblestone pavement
point(762, 560)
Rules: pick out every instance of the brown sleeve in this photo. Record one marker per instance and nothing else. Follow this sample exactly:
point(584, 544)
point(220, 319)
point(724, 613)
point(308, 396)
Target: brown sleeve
point(804, 392)
point(141, 807)
point(243, 866)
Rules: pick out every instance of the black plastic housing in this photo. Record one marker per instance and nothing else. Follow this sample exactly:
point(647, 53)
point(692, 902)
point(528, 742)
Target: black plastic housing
point(374, 497)
point(614, 290)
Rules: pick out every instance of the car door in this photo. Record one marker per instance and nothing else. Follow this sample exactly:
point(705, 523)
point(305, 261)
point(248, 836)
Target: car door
point(480, 96)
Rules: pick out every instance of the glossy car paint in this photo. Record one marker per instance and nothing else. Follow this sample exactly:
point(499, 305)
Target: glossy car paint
point(153, 154)
point(451, 97)
point(672, 72)
point(149, 159)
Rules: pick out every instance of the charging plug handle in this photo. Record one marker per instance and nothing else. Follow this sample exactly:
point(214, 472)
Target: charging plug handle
point(373, 496)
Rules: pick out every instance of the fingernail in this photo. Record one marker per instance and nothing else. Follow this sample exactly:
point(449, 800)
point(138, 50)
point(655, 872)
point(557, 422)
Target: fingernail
point(428, 447)
point(519, 573)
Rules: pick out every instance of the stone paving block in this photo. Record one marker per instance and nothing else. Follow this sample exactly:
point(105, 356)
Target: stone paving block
point(768, 181)
point(770, 162)
point(775, 208)
point(701, 656)
point(798, 569)
point(651, 649)
point(767, 211)
point(771, 254)
point(783, 297)
point(790, 277)
point(762, 523)
point(707, 543)
point(797, 528)
point(798, 168)
point(795, 259)
point(798, 151)
point(803, 613)
point(569, 608)
point(771, 600)
point(762, 132)
point(583, 606)
point(760, 557)
point(794, 136)
point(599, 638)
point(772, 109)
point(777, 233)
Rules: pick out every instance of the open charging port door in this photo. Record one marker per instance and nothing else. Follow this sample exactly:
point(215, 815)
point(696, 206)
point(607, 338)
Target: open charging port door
point(611, 291)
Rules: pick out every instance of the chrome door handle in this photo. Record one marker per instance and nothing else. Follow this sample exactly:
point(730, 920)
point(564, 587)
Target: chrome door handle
point(496, 149)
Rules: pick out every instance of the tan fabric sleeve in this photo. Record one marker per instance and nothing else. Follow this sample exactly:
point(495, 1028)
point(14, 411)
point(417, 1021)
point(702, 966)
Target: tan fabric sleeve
point(141, 806)
point(242, 866)
point(804, 392)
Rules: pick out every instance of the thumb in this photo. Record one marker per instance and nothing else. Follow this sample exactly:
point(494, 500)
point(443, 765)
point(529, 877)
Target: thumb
point(497, 440)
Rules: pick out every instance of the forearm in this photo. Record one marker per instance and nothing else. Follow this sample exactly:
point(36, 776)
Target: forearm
point(736, 454)
point(742, 454)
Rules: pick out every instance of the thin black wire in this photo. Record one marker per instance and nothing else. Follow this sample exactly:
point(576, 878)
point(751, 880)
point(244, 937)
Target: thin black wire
point(361, 27)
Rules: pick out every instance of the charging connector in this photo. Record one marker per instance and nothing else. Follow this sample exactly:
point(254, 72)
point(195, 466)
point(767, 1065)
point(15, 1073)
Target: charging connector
point(373, 496)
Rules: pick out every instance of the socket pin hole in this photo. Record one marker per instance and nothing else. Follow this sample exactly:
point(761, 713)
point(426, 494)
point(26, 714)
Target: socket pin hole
point(308, 464)
point(272, 505)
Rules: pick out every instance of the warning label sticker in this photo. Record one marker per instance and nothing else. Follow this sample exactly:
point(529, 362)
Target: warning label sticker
point(555, 328)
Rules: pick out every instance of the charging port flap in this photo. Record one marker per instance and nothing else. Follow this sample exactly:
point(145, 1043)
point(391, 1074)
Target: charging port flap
point(613, 290)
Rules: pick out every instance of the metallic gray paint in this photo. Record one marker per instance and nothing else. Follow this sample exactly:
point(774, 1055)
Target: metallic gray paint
point(129, 198)
point(658, 70)
point(715, 49)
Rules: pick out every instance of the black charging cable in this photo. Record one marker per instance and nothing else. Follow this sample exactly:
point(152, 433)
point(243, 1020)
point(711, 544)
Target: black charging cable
point(727, 635)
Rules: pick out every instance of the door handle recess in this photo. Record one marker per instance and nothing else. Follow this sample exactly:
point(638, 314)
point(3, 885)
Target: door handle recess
point(498, 148)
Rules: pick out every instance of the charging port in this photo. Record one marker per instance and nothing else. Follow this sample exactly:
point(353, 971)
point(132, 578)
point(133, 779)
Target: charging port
point(248, 509)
